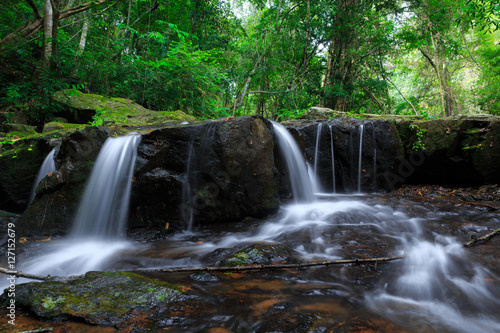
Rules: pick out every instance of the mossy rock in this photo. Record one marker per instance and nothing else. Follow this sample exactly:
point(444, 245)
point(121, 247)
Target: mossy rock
point(62, 127)
point(113, 111)
point(99, 297)
point(259, 254)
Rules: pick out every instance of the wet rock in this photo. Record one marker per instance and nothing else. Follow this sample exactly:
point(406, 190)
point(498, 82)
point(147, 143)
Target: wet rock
point(100, 298)
point(59, 194)
point(259, 254)
point(458, 151)
point(18, 169)
point(381, 152)
point(217, 171)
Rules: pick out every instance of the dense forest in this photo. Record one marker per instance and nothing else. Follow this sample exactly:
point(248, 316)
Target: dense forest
point(277, 58)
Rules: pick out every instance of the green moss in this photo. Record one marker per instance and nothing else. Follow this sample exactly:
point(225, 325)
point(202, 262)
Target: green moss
point(118, 111)
point(258, 254)
point(97, 295)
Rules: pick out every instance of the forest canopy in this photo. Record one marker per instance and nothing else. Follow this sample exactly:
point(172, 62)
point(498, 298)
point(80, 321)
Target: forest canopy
point(277, 58)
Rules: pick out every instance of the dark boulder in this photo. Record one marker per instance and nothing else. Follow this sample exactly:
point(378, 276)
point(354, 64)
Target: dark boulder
point(459, 151)
point(216, 171)
point(58, 195)
point(380, 152)
point(110, 299)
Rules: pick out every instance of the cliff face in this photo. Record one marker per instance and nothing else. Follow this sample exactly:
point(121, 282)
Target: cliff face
point(228, 170)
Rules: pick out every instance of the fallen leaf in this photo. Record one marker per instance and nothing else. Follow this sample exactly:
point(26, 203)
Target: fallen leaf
point(22, 240)
point(167, 225)
point(44, 240)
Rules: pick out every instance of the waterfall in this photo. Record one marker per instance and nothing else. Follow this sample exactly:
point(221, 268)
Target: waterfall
point(103, 210)
point(374, 142)
point(48, 166)
point(302, 187)
point(316, 151)
point(361, 130)
point(333, 158)
point(187, 209)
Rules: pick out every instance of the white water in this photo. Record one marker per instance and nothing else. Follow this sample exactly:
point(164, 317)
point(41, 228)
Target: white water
point(436, 288)
point(302, 187)
point(187, 196)
point(333, 159)
point(48, 166)
point(361, 130)
point(103, 210)
point(316, 153)
point(101, 218)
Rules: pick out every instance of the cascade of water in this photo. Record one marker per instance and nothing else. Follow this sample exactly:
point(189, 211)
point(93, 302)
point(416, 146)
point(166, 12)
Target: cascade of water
point(187, 196)
point(316, 151)
point(103, 210)
point(361, 130)
point(374, 142)
point(48, 166)
point(302, 187)
point(333, 158)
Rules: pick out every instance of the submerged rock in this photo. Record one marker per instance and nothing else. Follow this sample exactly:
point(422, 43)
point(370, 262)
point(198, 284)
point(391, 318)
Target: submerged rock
point(259, 254)
point(100, 298)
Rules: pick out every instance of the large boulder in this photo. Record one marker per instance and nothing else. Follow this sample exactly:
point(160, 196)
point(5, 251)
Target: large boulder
point(110, 299)
point(380, 152)
point(217, 171)
point(59, 193)
point(83, 108)
point(459, 151)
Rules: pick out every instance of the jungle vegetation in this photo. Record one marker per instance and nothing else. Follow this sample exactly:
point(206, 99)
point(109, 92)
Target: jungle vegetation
point(277, 58)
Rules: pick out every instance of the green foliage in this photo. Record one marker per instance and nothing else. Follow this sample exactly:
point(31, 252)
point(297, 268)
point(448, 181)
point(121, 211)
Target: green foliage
point(419, 132)
point(278, 60)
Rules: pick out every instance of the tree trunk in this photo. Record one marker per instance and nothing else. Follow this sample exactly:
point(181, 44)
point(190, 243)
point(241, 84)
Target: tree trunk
point(48, 21)
point(83, 37)
point(34, 25)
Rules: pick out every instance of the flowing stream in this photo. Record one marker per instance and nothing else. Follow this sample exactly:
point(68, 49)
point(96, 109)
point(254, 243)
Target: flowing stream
point(99, 225)
point(48, 166)
point(438, 287)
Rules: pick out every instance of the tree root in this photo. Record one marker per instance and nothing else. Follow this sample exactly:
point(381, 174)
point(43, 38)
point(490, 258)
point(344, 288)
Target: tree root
point(483, 239)
point(214, 268)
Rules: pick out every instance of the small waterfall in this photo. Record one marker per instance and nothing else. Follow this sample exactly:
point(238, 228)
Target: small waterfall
point(103, 210)
point(187, 209)
point(302, 187)
point(374, 142)
point(316, 151)
point(333, 158)
point(361, 130)
point(48, 166)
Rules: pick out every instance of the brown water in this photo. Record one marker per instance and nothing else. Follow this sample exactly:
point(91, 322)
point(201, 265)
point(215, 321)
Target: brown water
point(439, 287)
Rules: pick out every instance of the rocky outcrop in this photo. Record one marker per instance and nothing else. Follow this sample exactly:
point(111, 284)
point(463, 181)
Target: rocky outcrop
point(83, 108)
point(460, 151)
point(231, 169)
point(59, 193)
point(380, 152)
point(112, 299)
point(217, 171)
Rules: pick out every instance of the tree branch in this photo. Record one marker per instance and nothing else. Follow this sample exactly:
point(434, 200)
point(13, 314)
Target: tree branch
point(216, 268)
point(34, 7)
point(34, 25)
point(483, 239)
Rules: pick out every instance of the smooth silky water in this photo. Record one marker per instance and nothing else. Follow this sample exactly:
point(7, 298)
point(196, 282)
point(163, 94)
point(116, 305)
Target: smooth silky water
point(438, 287)
point(99, 226)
